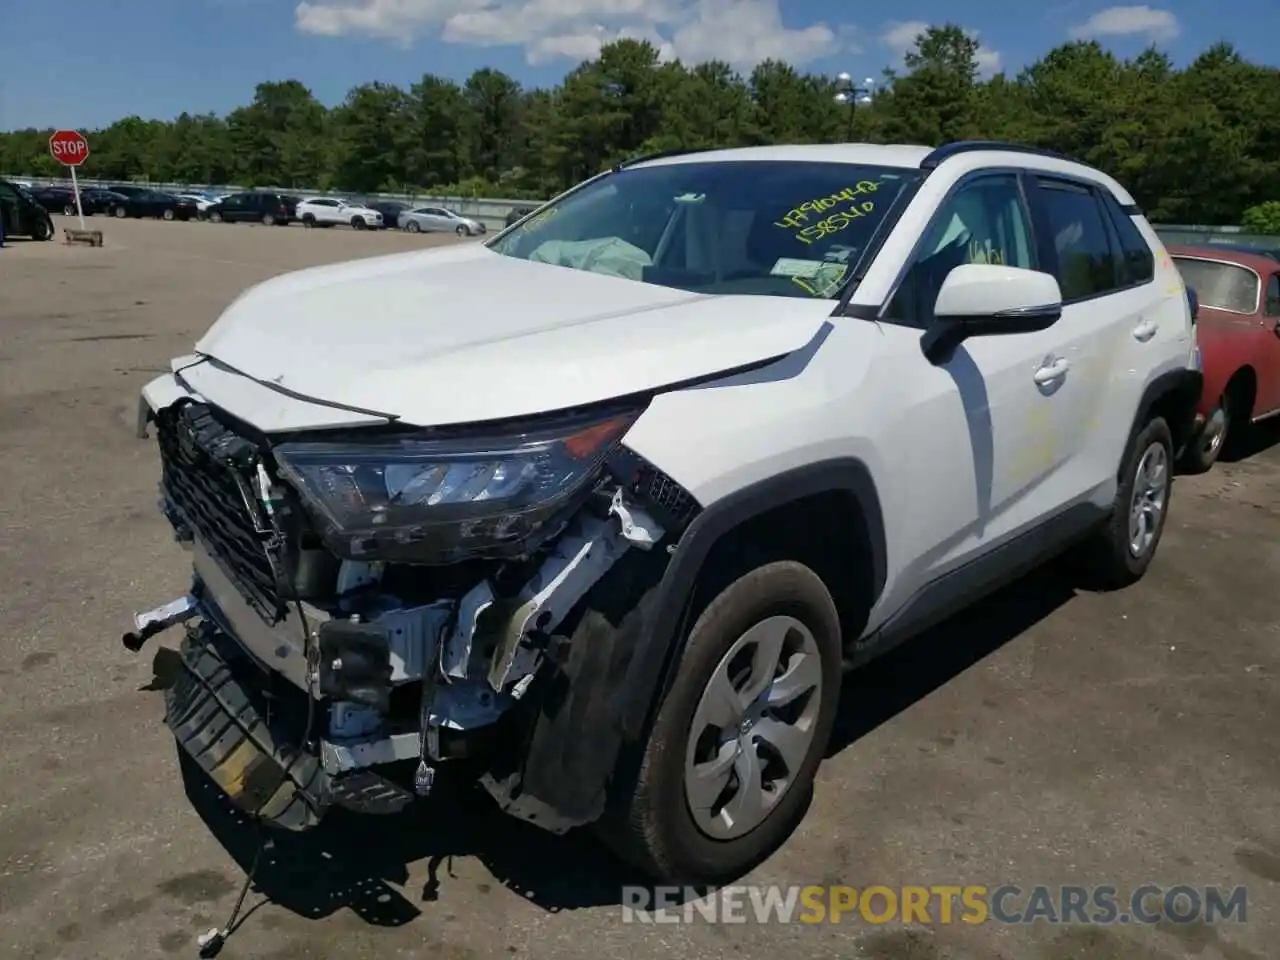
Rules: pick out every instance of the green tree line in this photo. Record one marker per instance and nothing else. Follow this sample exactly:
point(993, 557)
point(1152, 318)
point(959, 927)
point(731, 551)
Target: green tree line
point(1195, 145)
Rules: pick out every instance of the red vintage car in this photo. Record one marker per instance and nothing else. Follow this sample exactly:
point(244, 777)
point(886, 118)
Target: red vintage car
point(1238, 330)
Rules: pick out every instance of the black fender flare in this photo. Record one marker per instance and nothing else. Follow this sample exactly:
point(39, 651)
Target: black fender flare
point(1181, 389)
point(598, 702)
point(662, 642)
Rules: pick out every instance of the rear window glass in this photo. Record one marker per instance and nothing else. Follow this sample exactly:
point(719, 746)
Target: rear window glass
point(1220, 286)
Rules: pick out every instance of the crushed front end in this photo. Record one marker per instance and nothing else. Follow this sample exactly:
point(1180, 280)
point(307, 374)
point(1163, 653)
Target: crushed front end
point(374, 601)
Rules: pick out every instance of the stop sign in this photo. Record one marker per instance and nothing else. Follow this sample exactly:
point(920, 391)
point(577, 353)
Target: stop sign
point(69, 147)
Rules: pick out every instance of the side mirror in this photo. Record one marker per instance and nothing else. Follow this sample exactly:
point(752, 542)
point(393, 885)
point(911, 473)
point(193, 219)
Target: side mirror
point(1193, 301)
point(987, 299)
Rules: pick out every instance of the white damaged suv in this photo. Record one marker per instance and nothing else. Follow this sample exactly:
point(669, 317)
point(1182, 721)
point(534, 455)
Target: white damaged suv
point(721, 426)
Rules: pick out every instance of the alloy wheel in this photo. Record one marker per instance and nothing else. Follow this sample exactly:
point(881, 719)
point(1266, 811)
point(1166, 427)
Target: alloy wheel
point(1148, 500)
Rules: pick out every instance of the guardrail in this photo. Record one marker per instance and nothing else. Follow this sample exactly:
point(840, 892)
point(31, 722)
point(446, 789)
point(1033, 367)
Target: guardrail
point(491, 211)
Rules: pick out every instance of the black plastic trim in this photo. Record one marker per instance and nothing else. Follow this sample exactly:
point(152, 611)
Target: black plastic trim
point(660, 645)
point(998, 567)
point(949, 150)
point(1185, 385)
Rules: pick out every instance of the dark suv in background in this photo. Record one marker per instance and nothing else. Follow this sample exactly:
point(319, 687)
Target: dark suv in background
point(257, 206)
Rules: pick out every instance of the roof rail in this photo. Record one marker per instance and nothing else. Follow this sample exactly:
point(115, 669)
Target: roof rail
point(660, 155)
point(949, 150)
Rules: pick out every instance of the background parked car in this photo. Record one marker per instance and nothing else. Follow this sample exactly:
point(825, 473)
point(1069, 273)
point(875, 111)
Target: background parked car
point(21, 215)
point(252, 206)
point(145, 202)
point(330, 211)
point(63, 200)
point(55, 199)
point(1238, 331)
point(518, 213)
point(436, 219)
point(202, 201)
point(390, 210)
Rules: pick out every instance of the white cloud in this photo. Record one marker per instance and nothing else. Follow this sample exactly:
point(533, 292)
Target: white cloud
point(1155, 25)
point(900, 38)
point(743, 32)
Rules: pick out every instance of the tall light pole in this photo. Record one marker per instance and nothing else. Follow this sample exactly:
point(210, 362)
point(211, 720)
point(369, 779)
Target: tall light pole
point(850, 93)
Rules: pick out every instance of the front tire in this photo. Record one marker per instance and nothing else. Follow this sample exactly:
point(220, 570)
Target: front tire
point(69, 210)
point(727, 771)
point(215, 217)
point(357, 223)
point(121, 213)
point(43, 230)
point(1119, 553)
point(463, 232)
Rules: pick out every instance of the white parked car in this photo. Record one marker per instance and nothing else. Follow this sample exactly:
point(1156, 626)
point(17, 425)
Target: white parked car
point(202, 201)
point(718, 426)
point(330, 211)
point(437, 219)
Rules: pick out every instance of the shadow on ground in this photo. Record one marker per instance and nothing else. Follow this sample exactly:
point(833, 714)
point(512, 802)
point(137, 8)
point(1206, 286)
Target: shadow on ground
point(1260, 438)
point(359, 863)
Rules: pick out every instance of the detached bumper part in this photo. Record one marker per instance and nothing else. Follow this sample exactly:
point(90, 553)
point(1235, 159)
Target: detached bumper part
point(222, 726)
point(218, 716)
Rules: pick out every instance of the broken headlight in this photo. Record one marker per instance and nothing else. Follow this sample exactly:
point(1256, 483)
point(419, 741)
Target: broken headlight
point(427, 500)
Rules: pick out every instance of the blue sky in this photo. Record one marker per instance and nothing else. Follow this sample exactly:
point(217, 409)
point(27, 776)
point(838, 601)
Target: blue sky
point(84, 63)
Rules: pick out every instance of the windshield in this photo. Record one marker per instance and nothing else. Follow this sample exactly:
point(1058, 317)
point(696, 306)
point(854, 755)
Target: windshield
point(1220, 286)
point(768, 228)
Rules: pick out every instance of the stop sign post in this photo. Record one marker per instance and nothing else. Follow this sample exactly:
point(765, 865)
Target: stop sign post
point(70, 148)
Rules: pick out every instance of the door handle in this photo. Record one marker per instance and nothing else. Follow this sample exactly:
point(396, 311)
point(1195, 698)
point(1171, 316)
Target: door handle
point(1053, 370)
point(1145, 331)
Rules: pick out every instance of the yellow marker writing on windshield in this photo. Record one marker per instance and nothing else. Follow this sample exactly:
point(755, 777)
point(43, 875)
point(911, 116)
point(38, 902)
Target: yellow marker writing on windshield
point(835, 222)
point(798, 218)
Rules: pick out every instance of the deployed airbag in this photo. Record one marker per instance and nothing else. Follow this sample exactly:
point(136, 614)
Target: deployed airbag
point(611, 255)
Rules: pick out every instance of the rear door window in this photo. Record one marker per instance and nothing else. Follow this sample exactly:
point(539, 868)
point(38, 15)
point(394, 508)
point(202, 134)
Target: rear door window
point(1137, 262)
point(1087, 265)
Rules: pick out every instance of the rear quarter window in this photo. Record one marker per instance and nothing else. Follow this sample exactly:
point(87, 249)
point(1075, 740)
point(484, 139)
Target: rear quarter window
point(1220, 285)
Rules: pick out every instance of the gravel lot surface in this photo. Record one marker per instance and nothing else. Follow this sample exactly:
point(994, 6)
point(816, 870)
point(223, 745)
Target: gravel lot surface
point(1047, 737)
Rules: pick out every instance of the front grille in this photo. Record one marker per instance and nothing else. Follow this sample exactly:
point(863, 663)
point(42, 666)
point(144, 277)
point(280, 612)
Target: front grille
point(207, 477)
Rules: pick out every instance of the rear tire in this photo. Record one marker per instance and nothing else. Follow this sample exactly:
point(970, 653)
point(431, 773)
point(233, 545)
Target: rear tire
point(308, 220)
point(120, 213)
point(215, 217)
point(43, 230)
point(69, 210)
point(691, 748)
point(268, 220)
point(1119, 553)
point(168, 215)
point(413, 227)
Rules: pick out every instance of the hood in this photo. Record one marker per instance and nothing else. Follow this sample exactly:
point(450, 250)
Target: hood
point(463, 334)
